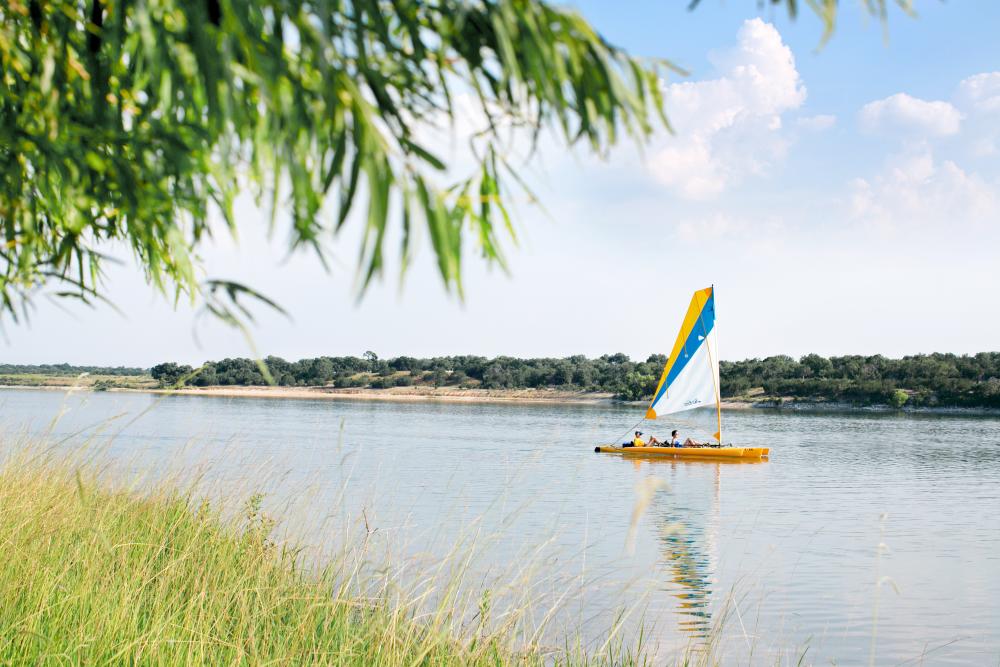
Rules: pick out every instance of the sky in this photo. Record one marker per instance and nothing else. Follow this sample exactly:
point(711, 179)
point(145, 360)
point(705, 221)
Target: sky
point(842, 200)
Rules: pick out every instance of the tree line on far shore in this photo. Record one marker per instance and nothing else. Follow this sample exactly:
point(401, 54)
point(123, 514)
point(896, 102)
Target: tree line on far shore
point(918, 380)
point(69, 370)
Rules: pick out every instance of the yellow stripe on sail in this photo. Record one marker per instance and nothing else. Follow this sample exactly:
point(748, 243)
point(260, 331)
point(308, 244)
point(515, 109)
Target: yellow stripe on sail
point(698, 302)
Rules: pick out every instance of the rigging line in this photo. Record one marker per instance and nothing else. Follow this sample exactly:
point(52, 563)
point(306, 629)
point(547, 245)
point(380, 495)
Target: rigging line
point(629, 430)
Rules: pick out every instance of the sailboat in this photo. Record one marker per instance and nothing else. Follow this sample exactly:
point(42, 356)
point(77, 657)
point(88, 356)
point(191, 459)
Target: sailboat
point(690, 380)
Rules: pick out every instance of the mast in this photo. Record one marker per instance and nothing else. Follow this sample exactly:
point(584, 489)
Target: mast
point(715, 382)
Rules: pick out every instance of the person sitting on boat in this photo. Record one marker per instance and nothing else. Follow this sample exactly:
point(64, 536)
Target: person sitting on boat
point(653, 442)
point(675, 441)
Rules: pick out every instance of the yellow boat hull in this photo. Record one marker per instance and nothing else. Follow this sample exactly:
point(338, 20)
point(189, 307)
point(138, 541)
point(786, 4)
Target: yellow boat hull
point(688, 452)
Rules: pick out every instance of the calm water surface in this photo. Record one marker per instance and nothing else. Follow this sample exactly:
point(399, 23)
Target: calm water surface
point(784, 555)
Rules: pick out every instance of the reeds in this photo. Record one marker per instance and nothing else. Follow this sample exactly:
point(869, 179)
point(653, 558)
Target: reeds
point(95, 575)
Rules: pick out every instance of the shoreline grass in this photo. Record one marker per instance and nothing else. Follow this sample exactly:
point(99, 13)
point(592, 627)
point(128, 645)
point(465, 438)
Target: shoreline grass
point(94, 575)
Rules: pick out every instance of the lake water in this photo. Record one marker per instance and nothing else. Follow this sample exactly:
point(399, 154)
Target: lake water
point(783, 555)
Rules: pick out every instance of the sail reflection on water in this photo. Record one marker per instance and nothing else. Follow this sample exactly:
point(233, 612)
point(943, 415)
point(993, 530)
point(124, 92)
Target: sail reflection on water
point(690, 572)
point(688, 534)
point(688, 538)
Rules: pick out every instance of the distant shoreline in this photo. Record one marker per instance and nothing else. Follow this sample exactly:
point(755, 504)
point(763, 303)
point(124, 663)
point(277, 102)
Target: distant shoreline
point(928, 383)
point(398, 394)
point(403, 394)
point(495, 396)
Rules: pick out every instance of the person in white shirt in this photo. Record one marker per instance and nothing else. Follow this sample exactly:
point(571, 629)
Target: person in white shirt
point(675, 441)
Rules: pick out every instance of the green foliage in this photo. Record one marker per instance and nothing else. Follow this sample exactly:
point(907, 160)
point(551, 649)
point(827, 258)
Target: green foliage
point(438, 377)
point(347, 381)
point(128, 124)
point(382, 383)
point(169, 374)
point(898, 398)
point(918, 380)
point(931, 380)
point(68, 370)
point(827, 10)
point(637, 387)
point(607, 373)
point(99, 577)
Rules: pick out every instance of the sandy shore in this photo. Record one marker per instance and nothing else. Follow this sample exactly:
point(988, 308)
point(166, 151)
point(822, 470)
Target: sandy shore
point(445, 394)
point(401, 394)
point(404, 394)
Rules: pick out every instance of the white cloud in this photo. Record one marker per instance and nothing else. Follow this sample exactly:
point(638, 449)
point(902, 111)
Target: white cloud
point(903, 112)
point(916, 190)
point(925, 188)
point(979, 97)
point(817, 123)
point(730, 127)
point(981, 92)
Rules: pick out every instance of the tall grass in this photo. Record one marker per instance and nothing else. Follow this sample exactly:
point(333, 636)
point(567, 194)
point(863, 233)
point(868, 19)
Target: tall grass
point(94, 575)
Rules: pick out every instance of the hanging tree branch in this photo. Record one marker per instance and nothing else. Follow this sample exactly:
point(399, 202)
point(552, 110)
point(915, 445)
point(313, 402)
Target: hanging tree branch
point(133, 130)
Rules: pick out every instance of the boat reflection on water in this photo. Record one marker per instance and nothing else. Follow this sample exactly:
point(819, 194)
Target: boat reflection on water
point(688, 533)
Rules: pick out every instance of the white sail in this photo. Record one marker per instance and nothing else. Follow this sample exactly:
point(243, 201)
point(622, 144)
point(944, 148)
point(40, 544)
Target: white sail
point(691, 376)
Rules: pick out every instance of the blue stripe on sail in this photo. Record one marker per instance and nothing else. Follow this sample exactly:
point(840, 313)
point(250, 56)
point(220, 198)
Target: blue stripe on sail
point(704, 326)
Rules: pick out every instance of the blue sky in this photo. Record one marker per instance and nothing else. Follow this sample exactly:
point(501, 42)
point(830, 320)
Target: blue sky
point(842, 200)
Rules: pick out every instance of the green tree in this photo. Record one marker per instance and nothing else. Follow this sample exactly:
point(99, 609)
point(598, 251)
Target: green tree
point(898, 398)
point(206, 376)
point(818, 366)
point(497, 376)
point(438, 377)
point(126, 124)
point(637, 387)
point(168, 374)
point(404, 364)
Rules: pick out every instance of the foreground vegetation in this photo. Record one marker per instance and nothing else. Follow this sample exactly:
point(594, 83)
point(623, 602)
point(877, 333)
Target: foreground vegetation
point(130, 124)
point(925, 380)
point(96, 576)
